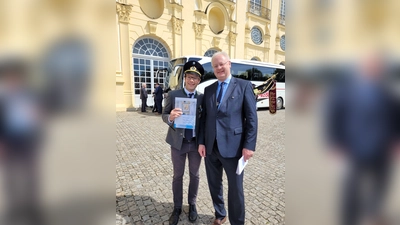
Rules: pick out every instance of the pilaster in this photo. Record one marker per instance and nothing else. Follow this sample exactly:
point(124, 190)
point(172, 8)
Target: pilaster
point(198, 29)
point(177, 35)
point(123, 78)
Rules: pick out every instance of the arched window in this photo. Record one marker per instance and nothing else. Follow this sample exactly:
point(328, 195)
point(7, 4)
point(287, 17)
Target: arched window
point(150, 65)
point(148, 46)
point(210, 52)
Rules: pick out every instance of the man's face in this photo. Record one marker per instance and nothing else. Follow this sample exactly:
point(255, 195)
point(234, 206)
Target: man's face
point(222, 67)
point(191, 81)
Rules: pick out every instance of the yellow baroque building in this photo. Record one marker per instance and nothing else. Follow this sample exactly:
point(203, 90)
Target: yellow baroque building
point(152, 32)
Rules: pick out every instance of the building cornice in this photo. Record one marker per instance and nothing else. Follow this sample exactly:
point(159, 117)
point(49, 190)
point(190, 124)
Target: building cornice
point(258, 47)
point(259, 18)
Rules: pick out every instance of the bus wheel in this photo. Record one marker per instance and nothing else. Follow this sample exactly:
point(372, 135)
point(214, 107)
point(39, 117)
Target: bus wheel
point(279, 103)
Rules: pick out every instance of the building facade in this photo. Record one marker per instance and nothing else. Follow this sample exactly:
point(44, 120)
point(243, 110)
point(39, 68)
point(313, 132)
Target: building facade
point(151, 33)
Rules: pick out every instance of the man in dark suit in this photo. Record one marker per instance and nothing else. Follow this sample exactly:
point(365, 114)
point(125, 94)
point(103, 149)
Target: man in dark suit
point(158, 97)
point(143, 96)
point(21, 130)
point(365, 135)
point(228, 131)
point(184, 142)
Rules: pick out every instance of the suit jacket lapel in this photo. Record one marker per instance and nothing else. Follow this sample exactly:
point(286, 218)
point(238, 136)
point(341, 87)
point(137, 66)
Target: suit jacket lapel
point(213, 95)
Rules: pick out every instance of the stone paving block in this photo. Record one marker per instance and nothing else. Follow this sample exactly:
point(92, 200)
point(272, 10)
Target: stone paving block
point(144, 174)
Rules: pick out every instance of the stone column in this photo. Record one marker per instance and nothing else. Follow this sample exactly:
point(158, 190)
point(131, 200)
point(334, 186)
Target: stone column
point(232, 44)
point(124, 78)
point(177, 35)
point(198, 29)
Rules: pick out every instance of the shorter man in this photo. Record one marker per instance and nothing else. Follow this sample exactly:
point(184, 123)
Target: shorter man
point(184, 142)
point(143, 96)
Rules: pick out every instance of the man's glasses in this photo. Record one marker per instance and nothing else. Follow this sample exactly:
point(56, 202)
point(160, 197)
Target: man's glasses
point(192, 78)
point(220, 65)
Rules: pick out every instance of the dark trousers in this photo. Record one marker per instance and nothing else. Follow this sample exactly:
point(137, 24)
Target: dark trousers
point(178, 162)
point(144, 103)
point(358, 203)
point(21, 186)
point(158, 104)
point(215, 163)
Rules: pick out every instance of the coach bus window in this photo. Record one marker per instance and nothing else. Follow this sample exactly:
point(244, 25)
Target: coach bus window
point(262, 73)
point(241, 71)
point(280, 75)
point(194, 59)
point(208, 72)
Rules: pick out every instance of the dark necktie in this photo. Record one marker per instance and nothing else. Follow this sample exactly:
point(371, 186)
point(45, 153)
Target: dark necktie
point(221, 89)
point(189, 132)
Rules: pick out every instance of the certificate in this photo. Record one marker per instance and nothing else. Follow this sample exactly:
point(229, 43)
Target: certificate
point(188, 118)
point(241, 165)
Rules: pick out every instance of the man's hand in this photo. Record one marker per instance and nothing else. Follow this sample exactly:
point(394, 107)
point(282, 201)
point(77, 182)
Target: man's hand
point(247, 154)
point(202, 150)
point(175, 113)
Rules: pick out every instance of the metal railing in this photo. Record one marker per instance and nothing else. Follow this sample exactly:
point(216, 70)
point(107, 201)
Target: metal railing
point(281, 19)
point(259, 10)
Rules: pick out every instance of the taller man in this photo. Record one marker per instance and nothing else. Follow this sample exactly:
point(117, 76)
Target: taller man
point(184, 142)
point(158, 97)
point(228, 131)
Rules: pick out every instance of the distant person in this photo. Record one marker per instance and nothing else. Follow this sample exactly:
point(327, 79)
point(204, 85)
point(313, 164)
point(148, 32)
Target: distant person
point(21, 122)
point(184, 142)
point(143, 97)
point(362, 129)
point(158, 97)
point(228, 131)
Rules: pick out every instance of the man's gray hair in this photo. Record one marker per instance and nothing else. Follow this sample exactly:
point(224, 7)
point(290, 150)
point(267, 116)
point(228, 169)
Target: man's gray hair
point(220, 53)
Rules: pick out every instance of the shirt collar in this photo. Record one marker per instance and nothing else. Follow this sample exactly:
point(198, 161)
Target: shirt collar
point(227, 80)
point(187, 92)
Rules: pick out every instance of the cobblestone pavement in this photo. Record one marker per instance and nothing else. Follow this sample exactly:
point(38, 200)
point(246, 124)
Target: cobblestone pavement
point(144, 173)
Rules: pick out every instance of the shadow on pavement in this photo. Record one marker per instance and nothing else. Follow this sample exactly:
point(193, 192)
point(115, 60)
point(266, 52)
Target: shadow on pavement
point(136, 209)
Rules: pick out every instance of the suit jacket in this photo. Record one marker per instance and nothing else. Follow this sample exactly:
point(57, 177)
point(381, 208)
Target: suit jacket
point(175, 135)
point(234, 124)
point(158, 93)
point(362, 119)
point(143, 93)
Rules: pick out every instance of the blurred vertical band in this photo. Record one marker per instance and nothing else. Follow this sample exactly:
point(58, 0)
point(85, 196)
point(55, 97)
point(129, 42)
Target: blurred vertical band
point(335, 45)
point(62, 51)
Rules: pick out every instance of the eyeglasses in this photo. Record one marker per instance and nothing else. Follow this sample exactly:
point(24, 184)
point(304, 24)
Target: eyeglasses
point(220, 65)
point(192, 78)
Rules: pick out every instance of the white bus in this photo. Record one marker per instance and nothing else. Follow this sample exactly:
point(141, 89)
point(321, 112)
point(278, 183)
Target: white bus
point(254, 71)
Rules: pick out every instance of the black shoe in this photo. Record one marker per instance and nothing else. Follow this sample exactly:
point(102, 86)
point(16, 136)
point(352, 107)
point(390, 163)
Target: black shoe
point(174, 218)
point(192, 213)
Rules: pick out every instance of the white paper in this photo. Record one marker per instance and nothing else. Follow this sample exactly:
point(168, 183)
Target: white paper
point(188, 118)
point(241, 165)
